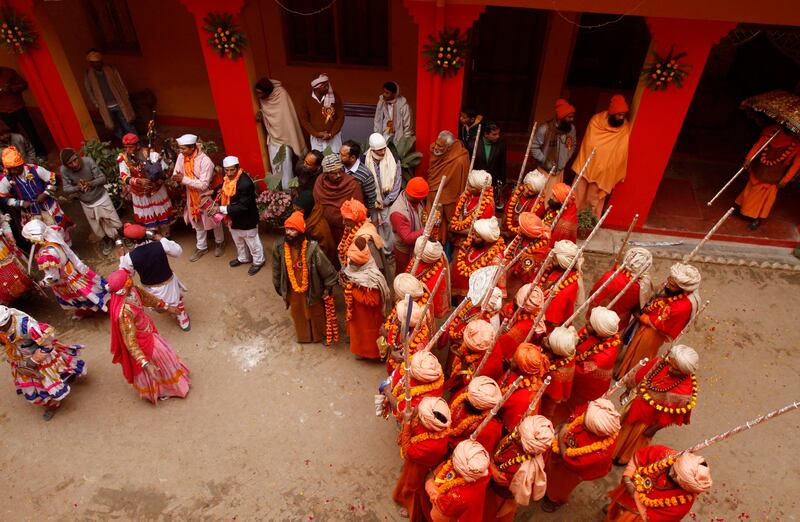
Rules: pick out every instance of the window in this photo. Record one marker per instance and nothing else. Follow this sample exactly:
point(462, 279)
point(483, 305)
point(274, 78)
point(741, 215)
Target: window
point(351, 32)
point(112, 26)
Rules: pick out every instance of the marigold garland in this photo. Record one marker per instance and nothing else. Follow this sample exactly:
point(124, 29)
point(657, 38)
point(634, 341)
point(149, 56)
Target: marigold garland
point(645, 388)
point(788, 151)
point(611, 342)
point(466, 266)
point(331, 322)
point(344, 244)
point(600, 445)
point(16, 32)
point(513, 211)
point(405, 441)
point(348, 301)
point(226, 38)
point(559, 362)
point(462, 217)
point(446, 478)
point(644, 479)
point(399, 391)
point(287, 254)
point(662, 71)
point(565, 283)
point(445, 53)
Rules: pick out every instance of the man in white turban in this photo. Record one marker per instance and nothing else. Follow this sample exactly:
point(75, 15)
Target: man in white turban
point(432, 265)
point(483, 248)
point(476, 202)
point(570, 290)
point(561, 343)
point(405, 285)
point(322, 115)
point(595, 358)
point(665, 316)
point(636, 265)
point(522, 200)
point(386, 173)
point(582, 452)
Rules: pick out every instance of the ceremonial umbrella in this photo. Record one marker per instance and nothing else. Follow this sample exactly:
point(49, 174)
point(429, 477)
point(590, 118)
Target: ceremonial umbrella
point(781, 106)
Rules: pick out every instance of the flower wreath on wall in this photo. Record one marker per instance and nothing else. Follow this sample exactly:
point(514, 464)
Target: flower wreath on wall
point(16, 32)
point(665, 70)
point(226, 38)
point(447, 53)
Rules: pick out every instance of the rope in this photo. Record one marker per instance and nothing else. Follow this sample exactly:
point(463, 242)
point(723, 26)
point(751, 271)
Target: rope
point(311, 13)
point(610, 22)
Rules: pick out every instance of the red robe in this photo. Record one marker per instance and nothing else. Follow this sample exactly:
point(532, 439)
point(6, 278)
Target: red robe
point(567, 226)
point(463, 503)
point(421, 456)
point(517, 204)
point(563, 304)
point(625, 305)
point(664, 487)
point(590, 384)
point(509, 341)
point(527, 266)
point(465, 210)
point(642, 411)
point(461, 426)
point(428, 273)
point(419, 390)
point(517, 404)
point(365, 322)
point(470, 259)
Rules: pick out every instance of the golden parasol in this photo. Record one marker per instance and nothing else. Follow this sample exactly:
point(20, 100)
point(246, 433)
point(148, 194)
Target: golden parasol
point(781, 106)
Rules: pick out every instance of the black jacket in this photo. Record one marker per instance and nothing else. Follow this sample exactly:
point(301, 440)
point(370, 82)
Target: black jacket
point(495, 164)
point(242, 208)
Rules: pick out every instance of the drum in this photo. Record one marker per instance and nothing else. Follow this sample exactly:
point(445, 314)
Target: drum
point(14, 282)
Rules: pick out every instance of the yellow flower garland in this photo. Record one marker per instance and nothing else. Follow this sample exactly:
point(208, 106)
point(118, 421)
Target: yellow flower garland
point(643, 479)
point(446, 478)
point(644, 391)
point(462, 219)
point(466, 269)
point(611, 342)
point(600, 445)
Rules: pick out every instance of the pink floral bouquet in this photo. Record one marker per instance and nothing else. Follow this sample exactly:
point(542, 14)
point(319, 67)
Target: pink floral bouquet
point(274, 207)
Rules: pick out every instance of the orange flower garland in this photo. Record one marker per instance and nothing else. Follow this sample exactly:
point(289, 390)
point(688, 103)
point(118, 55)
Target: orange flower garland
point(466, 267)
point(611, 342)
point(565, 283)
point(645, 388)
point(462, 218)
point(446, 478)
point(348, 301)
point(513, 210)
point(400, 393)
point(287, 254)
point(344, 244)
point(600, 445)
point(331, 323)
point(643, 481)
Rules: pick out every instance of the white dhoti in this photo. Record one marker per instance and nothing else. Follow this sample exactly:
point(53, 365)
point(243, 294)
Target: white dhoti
point(248, 246)
point(102, 217)
point(171, 293)
point(284, 167)
point(335, 143)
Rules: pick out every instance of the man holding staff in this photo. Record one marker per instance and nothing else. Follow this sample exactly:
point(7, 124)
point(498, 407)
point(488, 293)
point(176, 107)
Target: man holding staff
point(523, 199)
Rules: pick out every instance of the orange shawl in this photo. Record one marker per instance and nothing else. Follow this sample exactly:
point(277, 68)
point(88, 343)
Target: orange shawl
point(194, 194)
point(610, 163)
point(228, 188)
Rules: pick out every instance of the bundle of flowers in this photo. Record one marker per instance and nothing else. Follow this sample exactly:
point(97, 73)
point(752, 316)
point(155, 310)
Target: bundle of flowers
point(16, 32)
point(659, 73)
point(226, 38)
point(274, 207)
point(446, 53)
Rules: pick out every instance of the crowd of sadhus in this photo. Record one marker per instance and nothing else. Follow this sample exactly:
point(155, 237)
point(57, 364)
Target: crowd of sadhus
point(501, 400)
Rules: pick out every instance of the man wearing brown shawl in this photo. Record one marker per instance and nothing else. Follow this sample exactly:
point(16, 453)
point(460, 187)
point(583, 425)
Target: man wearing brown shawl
point(332, 189)
point(448, 158)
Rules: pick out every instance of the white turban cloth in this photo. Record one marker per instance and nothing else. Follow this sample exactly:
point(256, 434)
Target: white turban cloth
point(5, 314)
point(428, 251)
point(406, 284)
point(434, 413)
point(483, 393)
point(479, 179)
point(692, 473)
point(478, 335)
point(565, 251)
point(686, 277)
point(329, 99)
point(495, 301)
point(377, 141)
point(471, 460)
point(488, 229)
point(425, 367)
point(530, 481)
point(402, 313)
point(563, 341)
point(639, 260)
point(604, 322)
point(684, 358)
point(535, 180)
point(602, 418)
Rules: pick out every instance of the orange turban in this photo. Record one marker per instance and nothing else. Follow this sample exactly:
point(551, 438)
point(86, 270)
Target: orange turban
point(530, 360)
point(296, 222)
point(563, 109)
point(12, 157)
point(618, 105)
point(417, 188)
point(531, 226)
point(357, 255)
point(354, 210)
point(560, 191)
point(134, 231)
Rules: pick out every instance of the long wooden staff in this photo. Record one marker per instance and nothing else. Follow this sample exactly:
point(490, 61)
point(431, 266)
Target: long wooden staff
point(535, 400)
point(621, 252)
point(489, 351)
point(592, 297)
point(425, 307)
point(620, 383)
point(572, 189)
point(426, 232)
point(442, 329)
point(475, 149)
point(407, 360)
point(475, 214)
point(630, 282)
point(710, 233)
point(496, 408)
point(504, 267)
point(527, 155)
point(561, 279)
point(741, 169)
point(534, 284)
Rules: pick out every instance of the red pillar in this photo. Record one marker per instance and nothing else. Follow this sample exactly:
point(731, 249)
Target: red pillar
point(438, 98)
point(230, 88)
point(45, 81)
point(660, 116)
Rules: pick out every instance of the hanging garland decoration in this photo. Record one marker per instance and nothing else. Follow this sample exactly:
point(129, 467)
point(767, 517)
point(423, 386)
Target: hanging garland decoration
point(226, 38)
point(16, 32)
point(664, 70)
point(447, 53)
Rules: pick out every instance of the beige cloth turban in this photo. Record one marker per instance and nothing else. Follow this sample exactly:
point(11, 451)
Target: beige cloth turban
point(495, 301)
point(638, 259)
point(402, 313)
point(471, 460)
point(488, 229)
point(478, 179)
point(686, 277)
point(483, 392)
point(692, 473)
point(563, 341)
point(534, 301)
point(602, 418)
point(604, 322)
point(535, 180)
point(434, 413)
point(428, 251)
point(406, 284)
point(425, 367)
point(478, 335)
point(530, 481)
point(684, 359)
point(565, 251)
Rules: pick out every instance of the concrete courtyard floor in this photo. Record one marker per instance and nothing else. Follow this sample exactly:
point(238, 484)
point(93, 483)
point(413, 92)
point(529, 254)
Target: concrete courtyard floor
point(273, 430)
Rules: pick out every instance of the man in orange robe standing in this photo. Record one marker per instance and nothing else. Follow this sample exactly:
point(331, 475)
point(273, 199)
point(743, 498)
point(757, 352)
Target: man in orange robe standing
point(608, 132)
point(773, 169)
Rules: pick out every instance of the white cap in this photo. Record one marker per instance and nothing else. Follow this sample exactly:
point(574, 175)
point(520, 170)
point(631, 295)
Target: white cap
point(5, 314)
point(377, 141)
point(187, 139)
point(230, 161)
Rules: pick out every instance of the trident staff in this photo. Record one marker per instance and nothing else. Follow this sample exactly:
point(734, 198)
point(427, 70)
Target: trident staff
point(742, 168)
